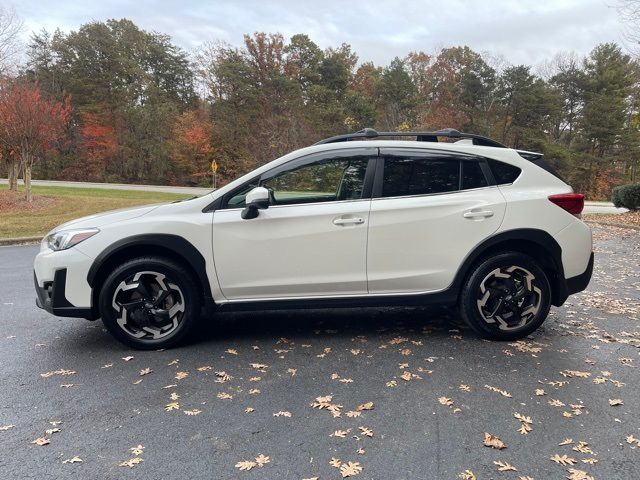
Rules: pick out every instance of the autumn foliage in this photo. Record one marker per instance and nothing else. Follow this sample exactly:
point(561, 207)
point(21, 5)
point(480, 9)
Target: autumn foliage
point(32, 125)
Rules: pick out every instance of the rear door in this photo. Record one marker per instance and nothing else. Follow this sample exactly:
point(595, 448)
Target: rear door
point(428, 212)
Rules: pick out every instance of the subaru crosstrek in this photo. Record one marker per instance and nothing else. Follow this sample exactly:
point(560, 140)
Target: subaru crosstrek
point(359, 219)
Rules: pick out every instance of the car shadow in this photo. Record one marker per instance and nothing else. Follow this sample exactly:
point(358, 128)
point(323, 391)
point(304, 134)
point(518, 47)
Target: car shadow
point(300, 324)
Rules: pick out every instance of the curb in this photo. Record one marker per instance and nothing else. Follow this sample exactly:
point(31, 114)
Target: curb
point(19, 241)
point(618, 225)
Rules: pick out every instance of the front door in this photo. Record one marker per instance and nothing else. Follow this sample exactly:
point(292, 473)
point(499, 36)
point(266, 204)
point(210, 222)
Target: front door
point(310, 242)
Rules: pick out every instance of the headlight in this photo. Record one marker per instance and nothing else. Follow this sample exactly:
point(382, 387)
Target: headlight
point(68, 238)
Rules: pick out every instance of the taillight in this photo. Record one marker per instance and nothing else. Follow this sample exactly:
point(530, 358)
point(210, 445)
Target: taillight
point(571, 202)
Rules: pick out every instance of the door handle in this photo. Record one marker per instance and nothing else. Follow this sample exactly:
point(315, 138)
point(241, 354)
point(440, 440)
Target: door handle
point(477, 214)
point(348, 221)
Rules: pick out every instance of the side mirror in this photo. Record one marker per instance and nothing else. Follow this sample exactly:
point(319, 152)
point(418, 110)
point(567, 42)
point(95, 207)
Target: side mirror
point(256, 199)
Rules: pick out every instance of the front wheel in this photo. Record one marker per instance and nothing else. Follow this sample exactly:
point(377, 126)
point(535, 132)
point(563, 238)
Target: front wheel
point(149, 303)
point(506, 297)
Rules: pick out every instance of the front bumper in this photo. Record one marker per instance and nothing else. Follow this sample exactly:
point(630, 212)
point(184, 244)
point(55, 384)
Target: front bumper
point(51, 297)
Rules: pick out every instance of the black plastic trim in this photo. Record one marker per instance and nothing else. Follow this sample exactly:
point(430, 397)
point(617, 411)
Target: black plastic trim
point(54, 301)
point(580, 282)
point(175, 243)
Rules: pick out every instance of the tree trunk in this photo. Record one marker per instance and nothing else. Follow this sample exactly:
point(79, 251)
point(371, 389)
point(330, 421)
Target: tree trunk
point(27, 180)
point(12, 168)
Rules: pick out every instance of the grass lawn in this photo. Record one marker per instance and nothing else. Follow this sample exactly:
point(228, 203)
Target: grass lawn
point(56, 205)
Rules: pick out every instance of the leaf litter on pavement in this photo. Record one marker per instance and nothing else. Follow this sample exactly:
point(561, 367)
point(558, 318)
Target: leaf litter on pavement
point(403, 363)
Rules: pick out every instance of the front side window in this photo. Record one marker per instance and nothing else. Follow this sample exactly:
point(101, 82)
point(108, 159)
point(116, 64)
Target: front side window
point(326, 180)
point(419, 176)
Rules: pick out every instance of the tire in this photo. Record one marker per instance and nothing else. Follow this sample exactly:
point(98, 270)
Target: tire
point(149, 303)
point(505, 297)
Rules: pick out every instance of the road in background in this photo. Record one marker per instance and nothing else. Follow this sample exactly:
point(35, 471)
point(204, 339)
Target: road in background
point(590, 207)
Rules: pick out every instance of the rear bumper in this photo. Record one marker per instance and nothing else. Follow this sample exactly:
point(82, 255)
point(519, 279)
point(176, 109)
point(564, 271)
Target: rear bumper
point(579, 282)
point(51, 297)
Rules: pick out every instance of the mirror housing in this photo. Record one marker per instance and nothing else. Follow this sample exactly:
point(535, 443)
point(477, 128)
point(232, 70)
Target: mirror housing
point(256, 199)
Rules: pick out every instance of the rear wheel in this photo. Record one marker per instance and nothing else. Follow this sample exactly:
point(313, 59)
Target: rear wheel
point(506, 297)
point(149, 303)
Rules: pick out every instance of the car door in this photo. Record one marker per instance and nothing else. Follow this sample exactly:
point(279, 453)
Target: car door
point(429, 210)
point(310, 241)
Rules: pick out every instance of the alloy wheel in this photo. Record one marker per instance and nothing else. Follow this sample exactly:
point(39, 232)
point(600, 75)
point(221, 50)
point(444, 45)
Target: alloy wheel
point(149, 305)
point(509, 298)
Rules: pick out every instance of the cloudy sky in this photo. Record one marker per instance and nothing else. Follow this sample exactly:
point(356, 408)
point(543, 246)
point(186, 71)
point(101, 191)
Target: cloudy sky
point(521, 31)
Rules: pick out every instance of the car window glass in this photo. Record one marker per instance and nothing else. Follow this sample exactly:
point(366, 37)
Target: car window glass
point(419, 176)
point(238, 198)
point(503, 172)
point(323, 181)
point(472, 175)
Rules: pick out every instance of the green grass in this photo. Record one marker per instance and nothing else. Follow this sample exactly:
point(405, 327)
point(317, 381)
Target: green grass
point(73, 203)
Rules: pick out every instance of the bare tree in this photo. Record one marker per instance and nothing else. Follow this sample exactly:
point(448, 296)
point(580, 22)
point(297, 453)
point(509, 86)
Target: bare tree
point(10, 28)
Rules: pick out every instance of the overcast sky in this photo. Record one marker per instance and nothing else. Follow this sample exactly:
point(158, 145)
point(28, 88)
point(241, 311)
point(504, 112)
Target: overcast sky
point(522, 31)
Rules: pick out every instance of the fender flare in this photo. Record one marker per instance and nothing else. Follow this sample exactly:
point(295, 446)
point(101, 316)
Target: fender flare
point(531, 235)
point(178, 245)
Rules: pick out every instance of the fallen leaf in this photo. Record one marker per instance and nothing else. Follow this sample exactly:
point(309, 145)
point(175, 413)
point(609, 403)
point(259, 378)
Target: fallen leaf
point(445, 401)
point(249, 410)
point(493, 441)
point(6, 427)
point(282, 414)
point(540, 392)
point(145, 371)
point(566, 441)
point(575, 474)
point(504, 466)
point(181, 375)
point(205, 368)
point(232, 351)
point(132, 462)
point(41, 441)
point(465, 388)
point(562, 460)
point(467, 475)
point(126, 359)
point(497, 390)
point(245, 465)
point(353, 414)
point(340, 433)
point(224, 396)
point(350, 469)
point(366, 431)
point(254, 391)
point(51, 431)
point(335, 462)
point(192, 412)
point(137, 451)
point(75, 459)
point(171, 406)
point(615, 402)
point(365, 406)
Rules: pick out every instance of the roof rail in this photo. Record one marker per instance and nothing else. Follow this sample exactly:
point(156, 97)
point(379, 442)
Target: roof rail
point(370, 134)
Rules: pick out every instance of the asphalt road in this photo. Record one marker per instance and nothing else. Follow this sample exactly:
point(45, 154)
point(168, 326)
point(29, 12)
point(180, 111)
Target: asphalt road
point(584, 356)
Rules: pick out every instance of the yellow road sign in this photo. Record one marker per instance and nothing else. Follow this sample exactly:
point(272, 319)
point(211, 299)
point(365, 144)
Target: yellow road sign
point(214, 166)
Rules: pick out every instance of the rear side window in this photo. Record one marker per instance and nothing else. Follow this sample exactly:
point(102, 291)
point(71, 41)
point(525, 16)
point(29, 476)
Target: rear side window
point(419, 176)
point(503, 172)
point(472, 175)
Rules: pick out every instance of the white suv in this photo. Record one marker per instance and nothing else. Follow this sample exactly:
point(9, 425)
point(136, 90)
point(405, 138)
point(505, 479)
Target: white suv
point(339, 223)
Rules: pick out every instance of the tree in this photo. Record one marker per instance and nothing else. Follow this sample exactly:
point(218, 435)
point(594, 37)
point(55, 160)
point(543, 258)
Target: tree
point(191, 149)
point(10, 27)
point(31, 125)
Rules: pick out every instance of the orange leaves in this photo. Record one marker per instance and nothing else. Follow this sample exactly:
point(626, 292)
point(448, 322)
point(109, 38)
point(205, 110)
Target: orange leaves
point(260, 461)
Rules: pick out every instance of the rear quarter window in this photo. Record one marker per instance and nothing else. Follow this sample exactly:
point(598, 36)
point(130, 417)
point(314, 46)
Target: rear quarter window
point(503, 172)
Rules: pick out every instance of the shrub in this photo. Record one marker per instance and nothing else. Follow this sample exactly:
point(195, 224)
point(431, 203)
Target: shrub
point(627, 196)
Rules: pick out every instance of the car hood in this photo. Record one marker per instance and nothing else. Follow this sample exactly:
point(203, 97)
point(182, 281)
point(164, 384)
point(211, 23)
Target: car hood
point(101, 219)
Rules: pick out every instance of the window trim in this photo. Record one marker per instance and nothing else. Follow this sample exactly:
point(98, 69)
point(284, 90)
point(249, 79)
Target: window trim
point(427, 154)
point(371, 152)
